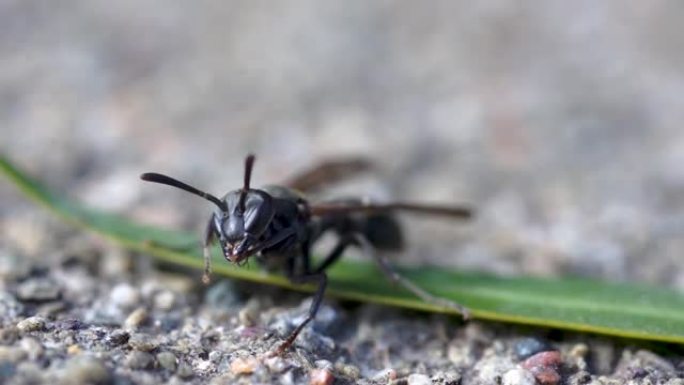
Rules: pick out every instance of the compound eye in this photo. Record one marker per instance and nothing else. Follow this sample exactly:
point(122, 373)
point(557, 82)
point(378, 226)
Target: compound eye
point(259, 212)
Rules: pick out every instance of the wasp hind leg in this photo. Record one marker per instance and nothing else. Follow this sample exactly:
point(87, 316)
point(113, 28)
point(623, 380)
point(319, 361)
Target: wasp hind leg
point(398, 279)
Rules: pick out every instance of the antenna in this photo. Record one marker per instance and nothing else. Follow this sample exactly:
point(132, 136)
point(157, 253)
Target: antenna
point(167, 180)
point(249, 164)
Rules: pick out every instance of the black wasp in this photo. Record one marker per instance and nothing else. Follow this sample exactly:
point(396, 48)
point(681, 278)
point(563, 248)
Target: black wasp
point(278, 225)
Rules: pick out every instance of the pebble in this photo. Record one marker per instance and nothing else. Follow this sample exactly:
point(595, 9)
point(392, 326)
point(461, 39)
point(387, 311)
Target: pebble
point(419, 379)
point(84, 370)
point(167, 360)
point(125, 296)
point(139, 360)
point(12, 354)
point(242, 365)
point(73, 350)
point(118, 337)
point(321, 377)
point(385, 376)
point(136, 318)
point(8, 335)
point(70, 324)
point(9, 306)
point(33, 348)
point(7, 370)
point(447, 378)
point(349, 371)
point(38, 290)
point(31, 324)
point(518, 376)
point(544, 366)
point(221, 295)
point(323, 364)
point(184, 370)
point(215, 356)
point(249, 314)
point(164, 300)
point(530, 346)
point(276, 364)
point(141, 342)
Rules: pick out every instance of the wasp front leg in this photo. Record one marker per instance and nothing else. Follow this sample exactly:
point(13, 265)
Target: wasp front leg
point(207, 240)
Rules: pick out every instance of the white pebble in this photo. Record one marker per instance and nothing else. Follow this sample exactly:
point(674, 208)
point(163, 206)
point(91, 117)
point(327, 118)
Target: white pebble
point(518, 377)
point(419, 379)
point(164, 300)
point(31, 324)
point(125, 296)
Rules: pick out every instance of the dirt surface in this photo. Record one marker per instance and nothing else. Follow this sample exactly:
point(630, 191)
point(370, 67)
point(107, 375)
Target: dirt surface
point(559, 121)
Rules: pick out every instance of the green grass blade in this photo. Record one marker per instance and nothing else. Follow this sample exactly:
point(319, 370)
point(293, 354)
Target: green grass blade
point(631, 311)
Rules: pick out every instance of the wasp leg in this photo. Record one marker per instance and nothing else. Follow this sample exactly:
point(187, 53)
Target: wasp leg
point(396, 278)
point(334, 254)
point(207, 240)
point(322, 280)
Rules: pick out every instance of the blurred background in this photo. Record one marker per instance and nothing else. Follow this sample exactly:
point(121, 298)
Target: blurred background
point(559, 121)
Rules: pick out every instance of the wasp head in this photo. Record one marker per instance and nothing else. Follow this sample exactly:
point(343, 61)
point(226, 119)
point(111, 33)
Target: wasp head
point(242, 216)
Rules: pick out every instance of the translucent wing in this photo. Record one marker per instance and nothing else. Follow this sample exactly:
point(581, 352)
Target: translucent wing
point(328, 172)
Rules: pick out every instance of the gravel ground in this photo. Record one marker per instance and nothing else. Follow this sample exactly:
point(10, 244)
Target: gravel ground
point(559, 121)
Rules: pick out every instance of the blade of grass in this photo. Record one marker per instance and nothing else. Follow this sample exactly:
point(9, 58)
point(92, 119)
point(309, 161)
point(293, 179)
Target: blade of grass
point(632, 311)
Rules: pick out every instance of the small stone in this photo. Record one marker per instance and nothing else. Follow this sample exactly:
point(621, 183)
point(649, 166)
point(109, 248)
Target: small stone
point(33, 348)
point(321, 377)
point(652, 360)
point(221, 295)
point(544, 359)
point(518, 377)
point(164, 300)
point(530, 346)
point(167, 360)
point(141, 342)
point(349, 371)
point(249, 314)
point(385, 376)
point(8, 335)
point(544, 366)
point(118, 337)
point(419, 379)
point(84, 370)
point(31, 324)
point(243, 365)
point(74, 350)
point(7, 371)
point(136, 318)
point(579, 350)
point(215, 357)
point(70, 324)
point(323, 364)
point(38, 290)
point(276, 364)
point(184, 370)
point(9, 306)
point(547, 376)
point(12, 354)
point(447, 378)
point(125, 296)
point(139, 360)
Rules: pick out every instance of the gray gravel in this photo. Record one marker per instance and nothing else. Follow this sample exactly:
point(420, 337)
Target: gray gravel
point(559, 121)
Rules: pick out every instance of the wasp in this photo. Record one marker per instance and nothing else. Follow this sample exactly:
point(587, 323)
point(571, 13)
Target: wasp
point(278, 225)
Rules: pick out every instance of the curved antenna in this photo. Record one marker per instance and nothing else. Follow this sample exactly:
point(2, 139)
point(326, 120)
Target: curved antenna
point(167, 180)
point(249, 164)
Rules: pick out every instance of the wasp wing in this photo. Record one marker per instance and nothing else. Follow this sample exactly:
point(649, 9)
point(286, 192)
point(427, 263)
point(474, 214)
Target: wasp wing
point(341, 208)
point(328, 172)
